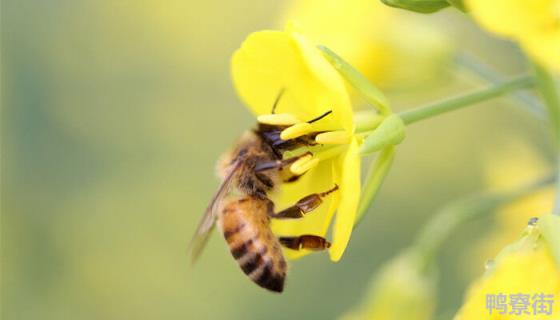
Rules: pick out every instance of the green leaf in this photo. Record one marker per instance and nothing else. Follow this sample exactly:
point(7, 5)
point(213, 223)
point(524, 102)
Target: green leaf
point(420, 6)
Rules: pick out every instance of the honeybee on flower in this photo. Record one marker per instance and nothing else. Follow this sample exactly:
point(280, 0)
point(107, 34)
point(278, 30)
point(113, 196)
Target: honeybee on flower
point(283, 181)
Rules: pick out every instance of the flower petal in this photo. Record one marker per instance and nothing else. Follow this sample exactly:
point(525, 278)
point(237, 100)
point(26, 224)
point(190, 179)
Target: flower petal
point(270, 62)
point(513, 18)
point(318, 179)
point(519, 272)
point(533, 23)
point(545, 48)
point(349, 176)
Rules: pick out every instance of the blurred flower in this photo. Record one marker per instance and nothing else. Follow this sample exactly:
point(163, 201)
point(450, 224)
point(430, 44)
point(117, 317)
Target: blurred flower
point(526, 267)
point(270, 62)
point(512, 167)
point(391, 48)
point(402, 289)
point(535, 24)
point(515, 164)
point(508, 221)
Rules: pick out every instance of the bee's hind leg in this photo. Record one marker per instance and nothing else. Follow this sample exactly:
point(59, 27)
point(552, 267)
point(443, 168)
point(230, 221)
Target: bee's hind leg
point(307, 241)
point(303, 206)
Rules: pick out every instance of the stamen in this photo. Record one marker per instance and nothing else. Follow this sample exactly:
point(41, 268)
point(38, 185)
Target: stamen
point(281, 119)
point(303, 164)
point(297, 130)
point(303, 159)
point(333, 137)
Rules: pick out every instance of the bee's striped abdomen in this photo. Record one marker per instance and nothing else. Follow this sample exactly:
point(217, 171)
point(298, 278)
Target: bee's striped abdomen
point(244, 223)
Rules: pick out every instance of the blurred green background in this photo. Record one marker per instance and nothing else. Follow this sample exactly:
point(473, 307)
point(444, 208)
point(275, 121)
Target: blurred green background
point(113, 114)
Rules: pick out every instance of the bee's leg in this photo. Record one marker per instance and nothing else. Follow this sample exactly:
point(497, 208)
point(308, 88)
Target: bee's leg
point(307, 241)
point(279, 164)
point(292, 178)
point(303, 206)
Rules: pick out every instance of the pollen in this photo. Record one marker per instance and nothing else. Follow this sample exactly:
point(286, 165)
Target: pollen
point(297, 130)
point(281, 119)
point(333, 137)
point(303, 165)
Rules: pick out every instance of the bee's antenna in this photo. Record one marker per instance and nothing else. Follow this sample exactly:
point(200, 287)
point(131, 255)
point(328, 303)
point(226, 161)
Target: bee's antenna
point(320, 117)
point(280, 93)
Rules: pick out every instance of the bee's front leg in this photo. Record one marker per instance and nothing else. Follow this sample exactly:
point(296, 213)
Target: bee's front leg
point(279, 164)
point(307, 241)
point(303, 206)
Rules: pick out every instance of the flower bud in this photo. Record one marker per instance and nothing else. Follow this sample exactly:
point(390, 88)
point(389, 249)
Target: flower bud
point(390, 132)
point(421, 6)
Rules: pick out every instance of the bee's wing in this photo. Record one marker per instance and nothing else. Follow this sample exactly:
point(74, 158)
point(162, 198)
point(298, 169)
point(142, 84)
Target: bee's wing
point(208, 221)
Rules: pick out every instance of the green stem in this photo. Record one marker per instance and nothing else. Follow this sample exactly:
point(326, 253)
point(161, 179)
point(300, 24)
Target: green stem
point(465, 100)
point(527, 100)
point(551, 96)
point(444, 223)
point(549, 91)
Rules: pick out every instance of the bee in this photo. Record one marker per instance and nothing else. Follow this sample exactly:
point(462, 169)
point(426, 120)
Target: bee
point(242, 209)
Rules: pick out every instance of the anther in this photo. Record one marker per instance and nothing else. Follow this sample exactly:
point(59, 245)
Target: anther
point(297, 130)
point(302, 160)
point(281, 119)
point(333, 137)
point(303, 165)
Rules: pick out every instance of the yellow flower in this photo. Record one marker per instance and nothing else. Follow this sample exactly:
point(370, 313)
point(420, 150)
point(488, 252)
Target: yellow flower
point(527, 267)
point(514, 166)
point(509, 219)
point(273, 62)
point(535, 24)
point(386, 45)
point(401, 290)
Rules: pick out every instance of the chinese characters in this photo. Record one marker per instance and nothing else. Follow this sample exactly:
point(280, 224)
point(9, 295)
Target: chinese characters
point(520, 304)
